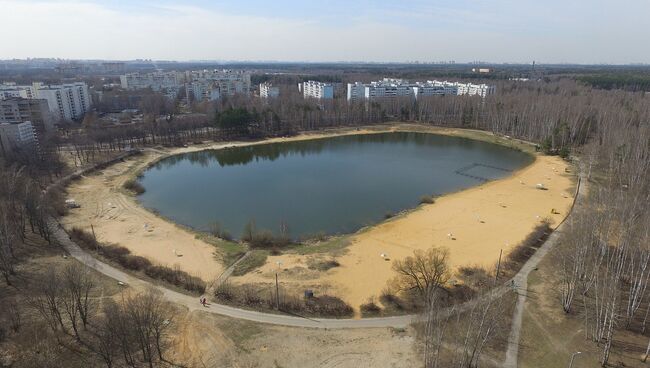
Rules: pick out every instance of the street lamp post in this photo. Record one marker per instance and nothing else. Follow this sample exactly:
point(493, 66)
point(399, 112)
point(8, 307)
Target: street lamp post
point(573, 356)
point(277, 287)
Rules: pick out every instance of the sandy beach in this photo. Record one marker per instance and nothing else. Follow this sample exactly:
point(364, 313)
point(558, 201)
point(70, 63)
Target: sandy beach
point(482, 220)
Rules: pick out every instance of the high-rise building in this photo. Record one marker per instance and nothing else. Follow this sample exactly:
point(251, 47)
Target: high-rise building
point(67, 101)
point(17, 110)
point(20, 136)
point(320, 90)
point(267, 90)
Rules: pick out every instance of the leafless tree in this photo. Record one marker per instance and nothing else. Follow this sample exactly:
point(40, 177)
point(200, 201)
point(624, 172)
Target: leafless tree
point(424, 271)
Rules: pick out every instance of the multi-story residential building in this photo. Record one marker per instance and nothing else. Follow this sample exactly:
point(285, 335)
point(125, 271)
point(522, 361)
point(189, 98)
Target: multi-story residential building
point(17, 110)
point(391, 88)
point(167, 83)
point(203, 90)
point(157, 81)
point(228, 82)
point(267, 90)
point(20, 136)
point(319, 90)
point(67, 101)
point(10, 90)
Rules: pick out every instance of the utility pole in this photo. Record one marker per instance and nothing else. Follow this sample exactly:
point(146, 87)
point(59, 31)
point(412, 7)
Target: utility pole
point(277, 292)
point(277, 287)
point(573, 356)
point(496, 276)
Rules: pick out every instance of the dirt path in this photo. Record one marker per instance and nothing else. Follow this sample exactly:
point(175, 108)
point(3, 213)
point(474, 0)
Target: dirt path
point(521, 283)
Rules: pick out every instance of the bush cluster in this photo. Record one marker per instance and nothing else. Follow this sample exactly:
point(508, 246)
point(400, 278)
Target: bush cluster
point(254, 297)
point(124, 258)
point(524, 250)
point(134, 186)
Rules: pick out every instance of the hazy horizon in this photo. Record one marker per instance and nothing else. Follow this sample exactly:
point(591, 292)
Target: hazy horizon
point(498, 31)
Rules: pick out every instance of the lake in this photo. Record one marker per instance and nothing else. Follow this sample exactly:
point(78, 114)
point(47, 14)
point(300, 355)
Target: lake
point(320, 186)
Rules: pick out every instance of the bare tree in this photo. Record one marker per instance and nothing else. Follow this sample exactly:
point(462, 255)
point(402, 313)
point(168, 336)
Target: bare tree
point(424, 271)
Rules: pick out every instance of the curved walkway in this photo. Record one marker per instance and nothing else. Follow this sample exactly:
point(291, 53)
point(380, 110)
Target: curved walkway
point(521, 282)
point(192, 303)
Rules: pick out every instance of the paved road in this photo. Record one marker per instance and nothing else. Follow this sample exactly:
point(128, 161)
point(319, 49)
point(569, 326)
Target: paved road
point(521, 281)
point(192, 303)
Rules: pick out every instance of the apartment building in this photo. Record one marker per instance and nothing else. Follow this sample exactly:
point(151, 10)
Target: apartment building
point(391, 88)
point(66, 101)
point(319, 90)
point(228, 82)
point(203, 90)
point(20, 136)
point(11, 90)
point(17, 110)
point(157, 81)
point(267, 90)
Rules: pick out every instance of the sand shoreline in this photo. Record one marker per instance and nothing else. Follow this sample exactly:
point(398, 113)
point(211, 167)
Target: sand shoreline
point(119, 218)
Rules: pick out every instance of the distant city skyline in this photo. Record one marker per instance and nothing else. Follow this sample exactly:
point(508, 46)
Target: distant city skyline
point(581, 31)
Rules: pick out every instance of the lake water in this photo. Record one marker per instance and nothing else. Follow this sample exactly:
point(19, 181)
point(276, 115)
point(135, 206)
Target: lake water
point(331, 185)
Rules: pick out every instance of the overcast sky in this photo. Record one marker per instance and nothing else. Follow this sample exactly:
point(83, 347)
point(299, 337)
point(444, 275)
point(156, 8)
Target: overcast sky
point(548, 31)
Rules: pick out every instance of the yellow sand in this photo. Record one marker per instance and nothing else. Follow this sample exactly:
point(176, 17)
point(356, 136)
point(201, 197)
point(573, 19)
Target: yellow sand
point(117, 218)
point(482, 221)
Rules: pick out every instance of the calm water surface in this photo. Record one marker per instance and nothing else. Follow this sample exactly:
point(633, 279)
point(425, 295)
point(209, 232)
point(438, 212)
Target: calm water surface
point(332, 185)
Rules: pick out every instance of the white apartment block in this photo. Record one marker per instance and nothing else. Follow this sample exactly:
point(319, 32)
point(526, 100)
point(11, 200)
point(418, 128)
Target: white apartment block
point(267, 90)
point(11, 90)
point(66, 101)
point(17, 136)
point(157, 81)
point(203, 90)
point(391, 88)
point(319, 90)
point(17, 110)
point(228, 82)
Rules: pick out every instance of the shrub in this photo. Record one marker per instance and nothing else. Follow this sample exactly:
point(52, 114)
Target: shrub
point(135, 263)
point(83, 239)
point(522, 252)
point(461, 293)
point(134, 186)
point(218, 232)
point(266, 239)
point(327, 305)
point(323, 265)
point(389, 299)
point(370, 308)
point(225, 292)
point(427, 199)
